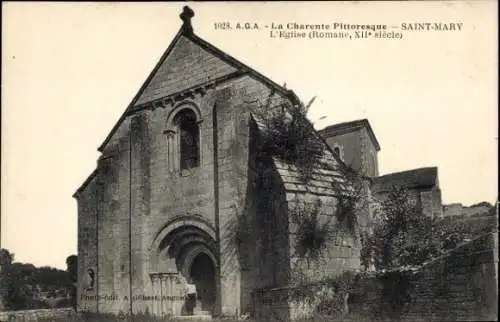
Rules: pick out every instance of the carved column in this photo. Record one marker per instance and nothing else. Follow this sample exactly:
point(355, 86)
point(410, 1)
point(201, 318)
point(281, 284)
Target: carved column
point(169, 289)
point(171, 149)
point(163, 296)
point(155, 280)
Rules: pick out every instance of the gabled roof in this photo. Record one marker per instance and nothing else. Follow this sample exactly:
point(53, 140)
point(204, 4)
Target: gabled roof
point(85, 183)
point(158, 85)
point(411, 179)
point(161, 87)
point(346, 127)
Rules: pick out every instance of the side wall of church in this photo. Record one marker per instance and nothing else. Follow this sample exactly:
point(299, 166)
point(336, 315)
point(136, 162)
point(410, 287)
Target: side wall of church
point(240, 195)
point(87, 247)
point(272, 259)
point(341, 251)
point(232, 119)
point(140, 199)
point(113, 271)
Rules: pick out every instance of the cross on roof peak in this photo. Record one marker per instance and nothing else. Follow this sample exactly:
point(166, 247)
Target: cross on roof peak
point(186, 15)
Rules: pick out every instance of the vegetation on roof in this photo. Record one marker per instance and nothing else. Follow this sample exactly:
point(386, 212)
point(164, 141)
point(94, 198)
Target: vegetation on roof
point(289, 137)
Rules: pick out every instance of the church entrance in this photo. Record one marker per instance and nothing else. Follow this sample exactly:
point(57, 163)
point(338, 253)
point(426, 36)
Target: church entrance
point(185, 251)
point(202, 273)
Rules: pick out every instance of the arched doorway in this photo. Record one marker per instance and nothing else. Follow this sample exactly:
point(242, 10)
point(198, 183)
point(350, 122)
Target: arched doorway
point(185, 249)
point(202, 273)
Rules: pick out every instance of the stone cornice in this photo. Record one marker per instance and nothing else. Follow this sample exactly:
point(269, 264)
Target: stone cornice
point(191, 92)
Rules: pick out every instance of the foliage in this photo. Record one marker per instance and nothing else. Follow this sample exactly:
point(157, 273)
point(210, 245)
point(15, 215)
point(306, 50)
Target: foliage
point(22, 284)
point(312, 234)
point(285, 138)
point(396, 290)
point(402, 235)
point(342, 286)
point(104, 317)
point(6, 257)
point(318, 229)
point(451, 232)
point(101, 317)
point(351, 199)
point(374, 296)
point(290, 137)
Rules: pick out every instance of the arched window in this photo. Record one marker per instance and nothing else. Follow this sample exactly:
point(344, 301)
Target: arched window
point(337, 149)
point(189, 139)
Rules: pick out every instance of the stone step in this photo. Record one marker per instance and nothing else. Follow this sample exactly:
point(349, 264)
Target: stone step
point(196, 317)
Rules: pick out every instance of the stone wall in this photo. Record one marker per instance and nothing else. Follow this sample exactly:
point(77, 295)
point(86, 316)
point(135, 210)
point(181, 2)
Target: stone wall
point(140, 205)
point(430, 200)
point(113, 271)
point(35, 315)
point(341, 253)
point(461, 285)
point(478, 209)
point(369, 158)
point(452, 210)
point(87, 245)
point(271, 304)
point(459, 210)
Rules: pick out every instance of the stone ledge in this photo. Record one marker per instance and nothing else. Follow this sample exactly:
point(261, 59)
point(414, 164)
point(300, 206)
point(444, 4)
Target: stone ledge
point(35, 315)
point(198, 317)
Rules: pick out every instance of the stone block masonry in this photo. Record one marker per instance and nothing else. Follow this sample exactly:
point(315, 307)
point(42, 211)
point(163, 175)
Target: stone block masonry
point(148, 213)
point(459, 286)
point(35, 315)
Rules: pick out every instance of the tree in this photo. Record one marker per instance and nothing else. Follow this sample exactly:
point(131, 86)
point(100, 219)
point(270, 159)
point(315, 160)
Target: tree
point(402, 235)
point(15, 279)
point(21, 284)
point(6, 257)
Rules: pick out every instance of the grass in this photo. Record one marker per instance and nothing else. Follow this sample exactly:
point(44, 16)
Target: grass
point(101, 317)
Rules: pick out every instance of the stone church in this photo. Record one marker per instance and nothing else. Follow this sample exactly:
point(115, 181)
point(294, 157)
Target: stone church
point(181, 195)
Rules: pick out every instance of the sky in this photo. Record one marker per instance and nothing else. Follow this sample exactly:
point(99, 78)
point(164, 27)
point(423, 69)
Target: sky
point(70, 69)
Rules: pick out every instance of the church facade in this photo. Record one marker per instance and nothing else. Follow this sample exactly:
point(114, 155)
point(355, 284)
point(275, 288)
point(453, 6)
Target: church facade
point(180, 195)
